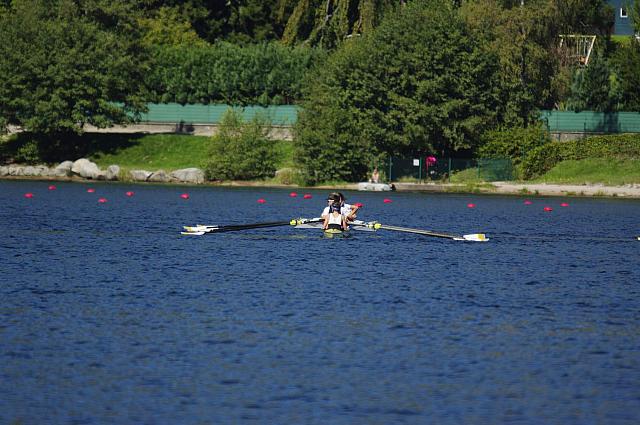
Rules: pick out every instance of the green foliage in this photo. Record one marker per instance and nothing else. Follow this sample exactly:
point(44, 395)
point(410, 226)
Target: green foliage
point(514, 143)
point(592, 88)
point(168, 28)
point(241, 151)
point(238, 21)
point(519, 38)
point(534, 74)
point(543, 158)
point(261, 74)
point(328, 23)
point(64, 64)
point(469, 175)
point(386, 94)
point(28, 153)
point(626, 65)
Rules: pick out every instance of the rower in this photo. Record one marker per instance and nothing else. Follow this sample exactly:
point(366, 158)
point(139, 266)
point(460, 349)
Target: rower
point(348, 210)
point(334, 218)
point(331, 199)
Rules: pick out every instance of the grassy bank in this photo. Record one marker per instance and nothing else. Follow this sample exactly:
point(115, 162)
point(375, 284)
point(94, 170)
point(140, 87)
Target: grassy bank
point(173, 151)
point(606, 171)
point(154, 152)
point(169, 152)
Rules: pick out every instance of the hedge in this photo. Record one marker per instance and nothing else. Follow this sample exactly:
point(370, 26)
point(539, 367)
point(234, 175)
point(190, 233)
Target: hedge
point(616, 146)
point(260, 74)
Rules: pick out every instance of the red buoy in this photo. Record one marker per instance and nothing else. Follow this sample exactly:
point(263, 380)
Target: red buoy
point(470, 205)
point(527, 202)
point(564, 204)
point(91, 190)
point(102, 200)
point(548, 209)
point(28, 195)
point(307, 196)
point(129, 194)
point(52, 187)
point(387, 201)
point(185, 196)
point(293, 194)
point(261, 201)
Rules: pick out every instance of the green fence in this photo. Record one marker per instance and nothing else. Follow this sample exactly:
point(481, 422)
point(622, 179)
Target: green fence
point(591, 122)
point(286, 115)
point(421, 170)
point(282, 115)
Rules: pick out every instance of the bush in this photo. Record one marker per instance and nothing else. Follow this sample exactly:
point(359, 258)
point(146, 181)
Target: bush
point(241, 151)
point(615, 146)
point(513, 143)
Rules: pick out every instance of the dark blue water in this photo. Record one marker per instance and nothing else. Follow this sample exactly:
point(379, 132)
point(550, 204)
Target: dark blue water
point(108, 315)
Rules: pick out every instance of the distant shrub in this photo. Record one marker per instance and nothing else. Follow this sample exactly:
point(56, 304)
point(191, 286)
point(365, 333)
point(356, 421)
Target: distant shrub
point(241, 150)
point(614, 146)
point(513, 143)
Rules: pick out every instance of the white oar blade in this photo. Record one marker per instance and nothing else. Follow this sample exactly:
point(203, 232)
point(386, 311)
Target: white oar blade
point(193, 233)
point(200, 228)
point(475, 237)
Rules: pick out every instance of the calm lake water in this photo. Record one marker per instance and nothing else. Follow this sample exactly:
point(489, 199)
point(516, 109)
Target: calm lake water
point(109, 315)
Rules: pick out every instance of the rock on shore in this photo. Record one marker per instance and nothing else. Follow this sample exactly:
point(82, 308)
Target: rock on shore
point(186, 175)
point(86, 169)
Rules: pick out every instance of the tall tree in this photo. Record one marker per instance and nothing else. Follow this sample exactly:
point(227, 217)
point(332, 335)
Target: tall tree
point(328, 22)
point(592, 87)
point(237, 21)
point(626, 65)
point(68, 63)
point(167, 27)
point(417, 84)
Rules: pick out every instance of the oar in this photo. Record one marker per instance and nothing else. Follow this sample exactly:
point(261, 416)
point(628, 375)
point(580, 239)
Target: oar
point(476, 237)
point(201, 229)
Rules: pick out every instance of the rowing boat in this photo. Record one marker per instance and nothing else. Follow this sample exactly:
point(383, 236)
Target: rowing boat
point(317, 223)
point(335, 233)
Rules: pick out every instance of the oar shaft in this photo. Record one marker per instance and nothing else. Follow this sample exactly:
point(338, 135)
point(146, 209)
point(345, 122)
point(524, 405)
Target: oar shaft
point(418, 231)
point(202, 229)
point(234, 227)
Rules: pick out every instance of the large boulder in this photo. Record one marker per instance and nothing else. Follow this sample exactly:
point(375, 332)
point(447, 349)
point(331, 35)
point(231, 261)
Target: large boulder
point(86, 169)
point(63, 169)
point(140, 175)
point(189, 175)
point(159, 176)
point(112, 172)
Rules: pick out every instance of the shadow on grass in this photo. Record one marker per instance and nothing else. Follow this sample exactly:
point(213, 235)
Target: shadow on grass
point(38, 148)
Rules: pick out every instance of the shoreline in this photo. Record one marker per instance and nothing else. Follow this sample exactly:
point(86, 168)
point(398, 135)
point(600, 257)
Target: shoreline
point(631, 191)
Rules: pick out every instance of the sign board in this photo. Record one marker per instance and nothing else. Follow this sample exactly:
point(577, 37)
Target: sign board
point(416, 162)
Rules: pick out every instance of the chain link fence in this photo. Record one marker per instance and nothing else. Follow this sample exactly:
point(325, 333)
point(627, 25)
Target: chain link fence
point(441, 169)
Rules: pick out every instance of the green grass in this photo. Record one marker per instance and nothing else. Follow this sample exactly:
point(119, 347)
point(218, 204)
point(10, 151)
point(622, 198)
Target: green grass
point(624, 40)
point(606, 171)
point(168, 152)
point(470, 175)
point(155, 152)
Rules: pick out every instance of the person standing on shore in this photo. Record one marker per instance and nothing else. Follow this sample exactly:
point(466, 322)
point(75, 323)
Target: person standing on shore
point(375, 176)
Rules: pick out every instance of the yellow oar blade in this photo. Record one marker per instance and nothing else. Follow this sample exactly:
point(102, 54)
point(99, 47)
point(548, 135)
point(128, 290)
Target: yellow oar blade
point(475, 237)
